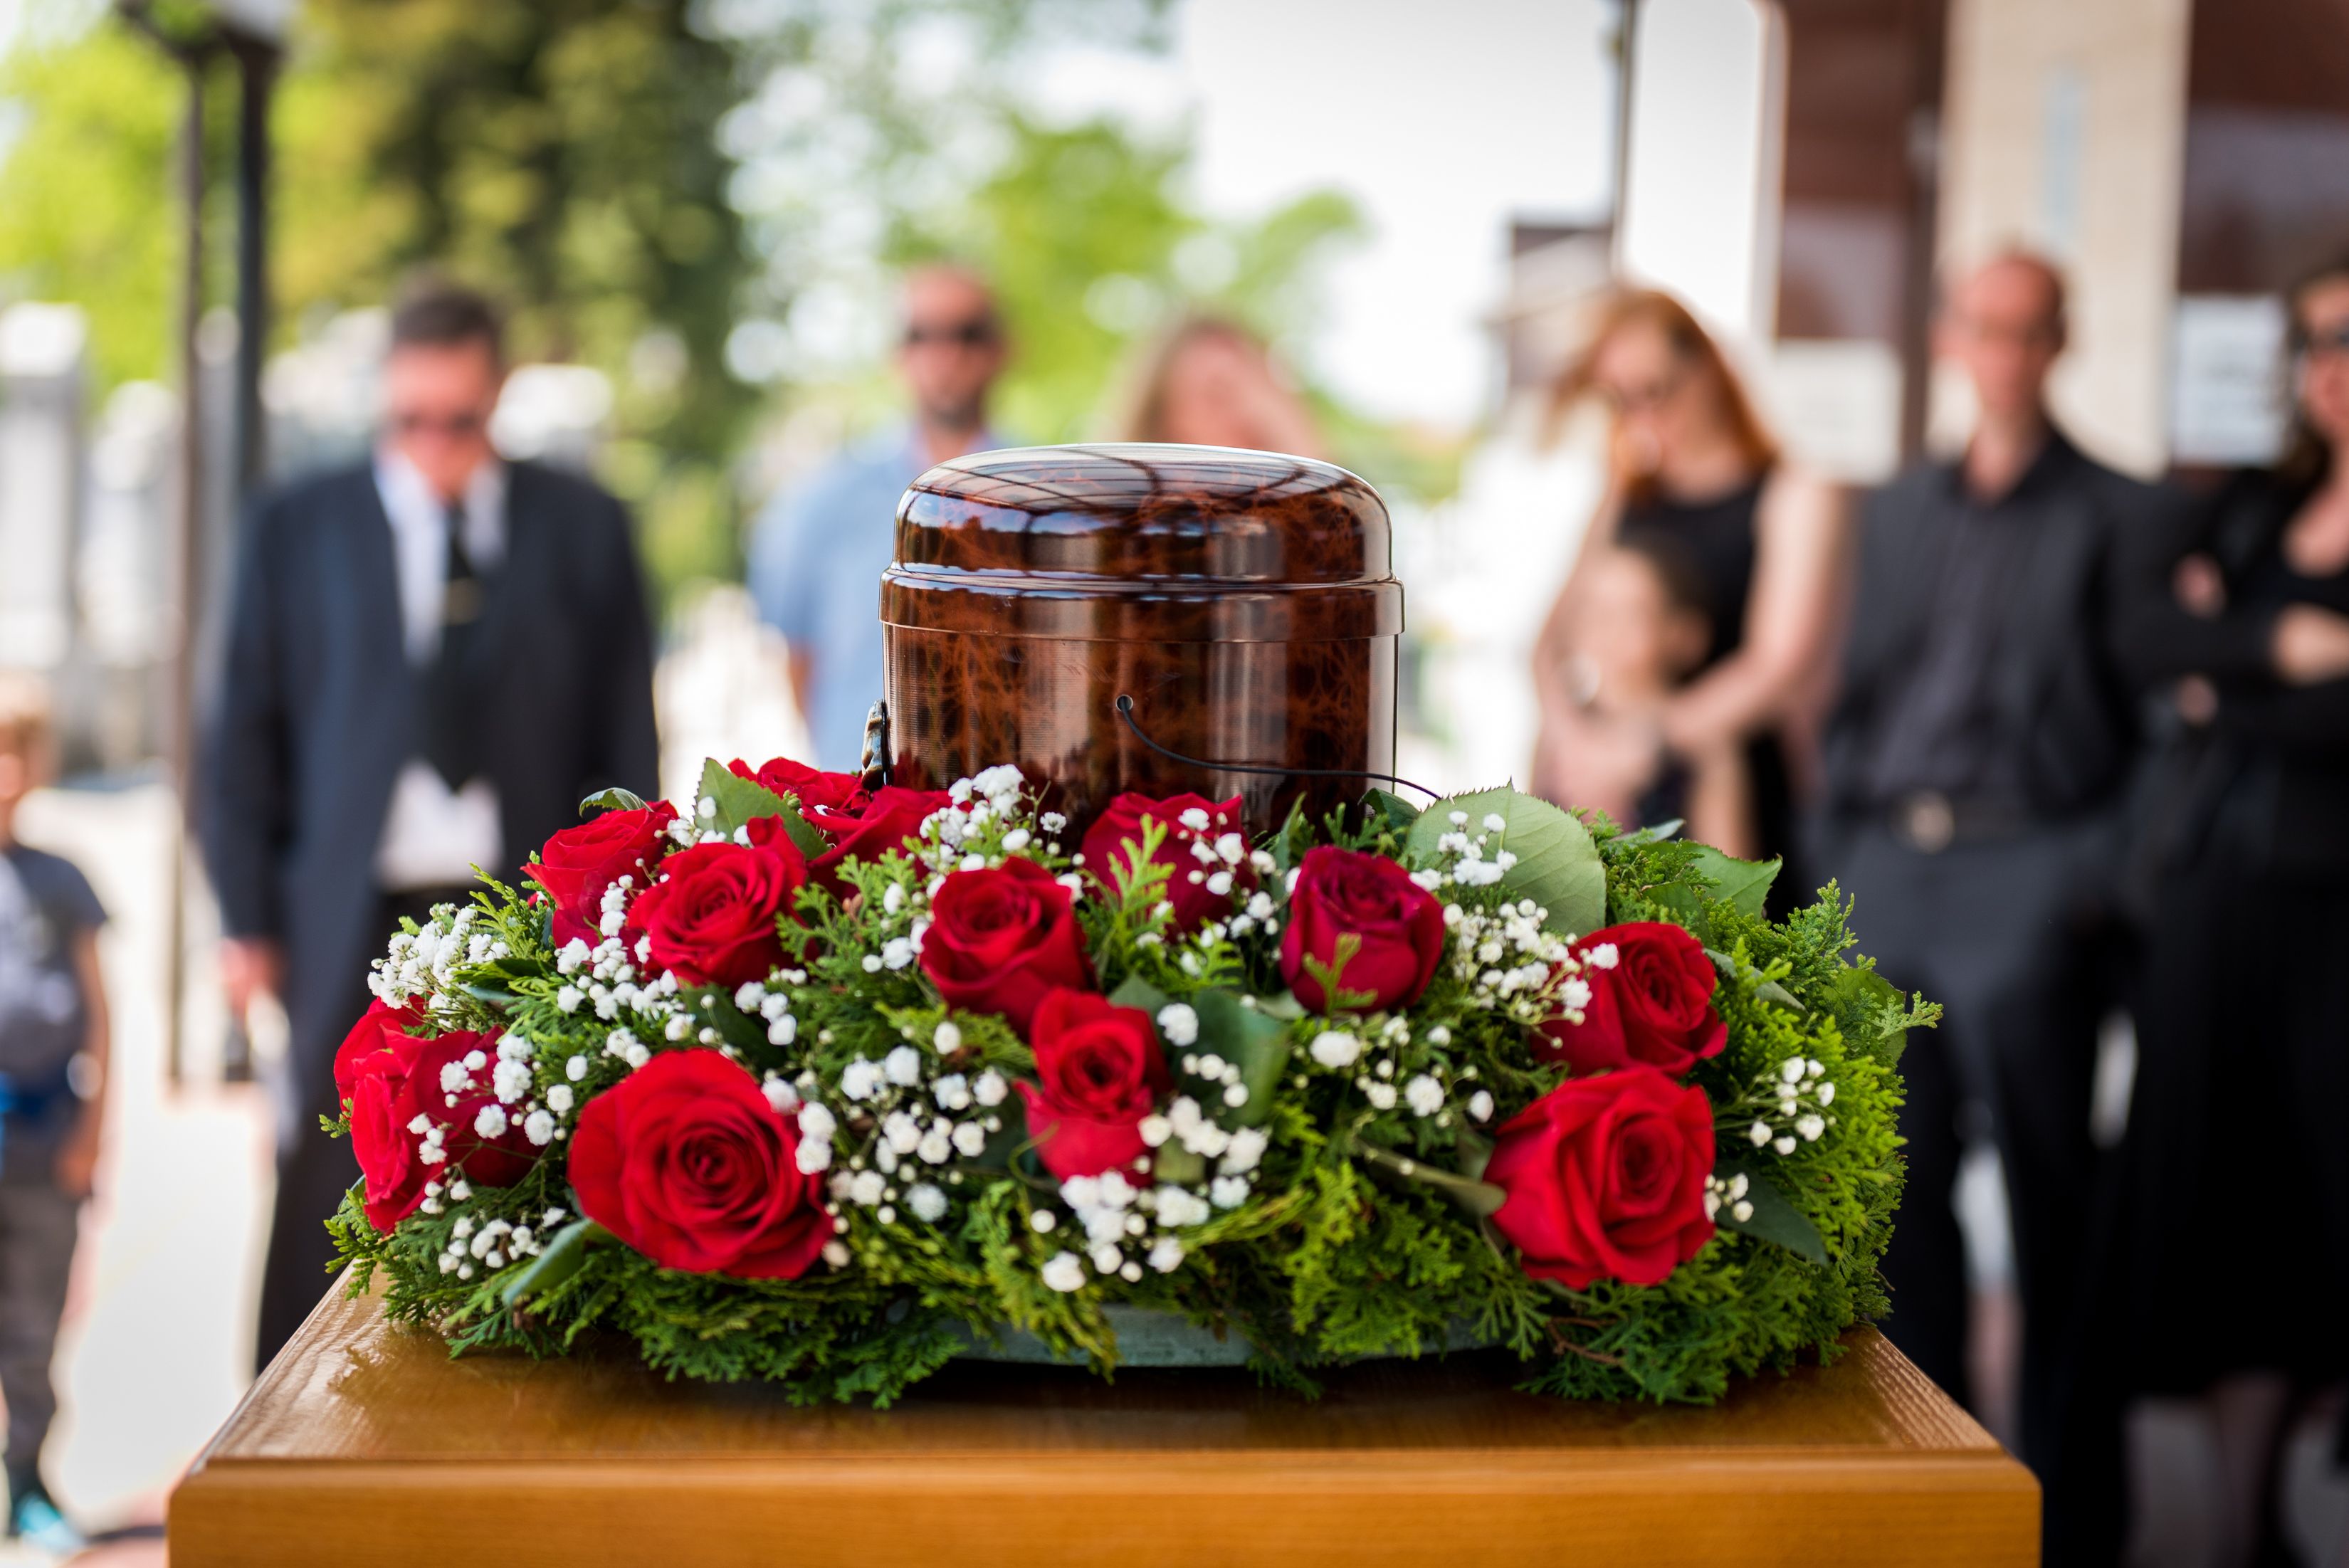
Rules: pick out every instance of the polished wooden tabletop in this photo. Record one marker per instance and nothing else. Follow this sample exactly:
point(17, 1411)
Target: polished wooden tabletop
point(365, 1444)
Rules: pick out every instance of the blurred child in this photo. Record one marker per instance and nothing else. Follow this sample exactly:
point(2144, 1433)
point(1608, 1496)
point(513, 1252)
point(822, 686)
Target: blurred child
point(1642, 631)
point(53, 1034)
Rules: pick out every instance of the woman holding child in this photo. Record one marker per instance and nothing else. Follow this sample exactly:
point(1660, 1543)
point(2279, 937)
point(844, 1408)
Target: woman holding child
point(1683, 668)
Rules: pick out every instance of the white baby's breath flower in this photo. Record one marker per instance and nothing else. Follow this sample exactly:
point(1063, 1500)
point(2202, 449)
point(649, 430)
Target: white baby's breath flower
point(1423, 1095)
point(927, 1202)
point(1335, 1048)
point(1063, 1271)
point(1179, 1023)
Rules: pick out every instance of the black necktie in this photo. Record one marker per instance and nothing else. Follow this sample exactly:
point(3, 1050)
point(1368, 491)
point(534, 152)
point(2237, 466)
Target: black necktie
point(453, 704)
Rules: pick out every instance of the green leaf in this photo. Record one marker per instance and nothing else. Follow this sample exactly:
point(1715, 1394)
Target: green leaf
point(1386, 806)
point(1654, 833)
point(1481, 1198)
point(1861, 1000)
point(1285, 1006)
point(741, 801)
point(1768, 990)
point(1139, 993)
point(1742, 885)
point(1775, 1218)
point(557, 1261)
point(1244, 1035)
point(1172, 1162)
point(1558, 864)
point(714, 1005)
point(1288, 846)
point(613, 800)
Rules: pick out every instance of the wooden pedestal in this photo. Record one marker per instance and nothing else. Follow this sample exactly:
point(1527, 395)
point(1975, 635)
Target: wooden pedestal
point(364, 1444)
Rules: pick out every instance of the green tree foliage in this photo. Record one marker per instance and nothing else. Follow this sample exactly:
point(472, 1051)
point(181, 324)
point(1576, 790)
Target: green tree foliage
point(87, 130)
point(563, 152)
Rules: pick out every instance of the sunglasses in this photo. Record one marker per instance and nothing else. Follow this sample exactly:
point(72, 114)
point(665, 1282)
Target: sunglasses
point(449, 426)
point(978, 333)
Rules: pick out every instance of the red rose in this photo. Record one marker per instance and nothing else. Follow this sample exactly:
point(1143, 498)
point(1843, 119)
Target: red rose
point(871, 827)
point(1606, 1177)
point(1653, 1003)
point(387, 1079)
point(686, 1160)
point(811, 787)
point(1116, 838)
point(1000, 938)
point(578, 863)
point(1399, 925)
point(1100, 1073)
point(711, 917)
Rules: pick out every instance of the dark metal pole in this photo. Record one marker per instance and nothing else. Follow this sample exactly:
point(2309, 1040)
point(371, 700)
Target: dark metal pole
point(187, 522)
point(1627, 24)
point(257, 74)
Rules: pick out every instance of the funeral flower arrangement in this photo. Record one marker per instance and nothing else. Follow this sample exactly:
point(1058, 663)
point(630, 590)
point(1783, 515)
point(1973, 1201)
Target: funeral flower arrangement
point(827, 1085)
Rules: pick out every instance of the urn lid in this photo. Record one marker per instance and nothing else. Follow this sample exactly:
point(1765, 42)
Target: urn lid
point(1147, 541)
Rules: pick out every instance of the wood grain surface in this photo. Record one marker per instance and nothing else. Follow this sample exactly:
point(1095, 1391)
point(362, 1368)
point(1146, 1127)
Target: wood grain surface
point(364, 1444)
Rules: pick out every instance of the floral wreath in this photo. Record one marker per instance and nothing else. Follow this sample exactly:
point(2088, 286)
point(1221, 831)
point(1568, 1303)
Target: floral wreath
point(826, 1084)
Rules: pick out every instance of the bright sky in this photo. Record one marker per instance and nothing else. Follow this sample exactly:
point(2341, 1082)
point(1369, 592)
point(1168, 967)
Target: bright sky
point(1441, 121)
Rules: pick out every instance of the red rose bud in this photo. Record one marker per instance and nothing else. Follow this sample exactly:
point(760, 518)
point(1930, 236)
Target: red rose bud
point(811, 787)
point(1605, 1178)
point(578, 863)
point(686, 1160)
point(881, 822)
point(390, 1079)
point(1099, 1072)
point(1116, 839)
point(710, 920)
point(1001, 938)
point(1653, 1003)
point(1397, 925)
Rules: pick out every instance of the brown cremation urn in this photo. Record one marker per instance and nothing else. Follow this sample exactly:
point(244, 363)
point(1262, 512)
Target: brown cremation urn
point(1245, 600)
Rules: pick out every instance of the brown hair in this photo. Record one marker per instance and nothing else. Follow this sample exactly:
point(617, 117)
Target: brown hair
point(2307, 456)
point(1691, 344)
point(434, 312)
point(1141, 413)
point(25, 716)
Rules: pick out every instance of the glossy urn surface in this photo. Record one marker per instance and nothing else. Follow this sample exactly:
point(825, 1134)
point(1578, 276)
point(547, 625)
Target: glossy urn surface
point(1245, 601)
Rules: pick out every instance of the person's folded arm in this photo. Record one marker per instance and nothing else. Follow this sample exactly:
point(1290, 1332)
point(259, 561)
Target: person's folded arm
point(1803, 541)
point(2154, 638)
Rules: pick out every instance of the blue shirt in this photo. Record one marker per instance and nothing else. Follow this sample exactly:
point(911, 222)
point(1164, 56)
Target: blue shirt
point(816, 561)
point(46, 907)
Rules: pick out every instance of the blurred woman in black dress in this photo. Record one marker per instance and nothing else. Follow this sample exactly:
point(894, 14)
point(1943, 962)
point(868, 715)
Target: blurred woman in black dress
point(1694, 479)
point(2233, 1234)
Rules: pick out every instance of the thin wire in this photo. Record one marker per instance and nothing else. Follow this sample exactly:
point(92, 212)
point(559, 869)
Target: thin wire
point(1125, 711)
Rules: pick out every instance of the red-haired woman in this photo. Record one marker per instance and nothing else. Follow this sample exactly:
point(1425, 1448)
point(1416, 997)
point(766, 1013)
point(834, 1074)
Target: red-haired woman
point(1693, 473)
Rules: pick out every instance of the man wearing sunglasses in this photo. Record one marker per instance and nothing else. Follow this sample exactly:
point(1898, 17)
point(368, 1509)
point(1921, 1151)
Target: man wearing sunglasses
point(433, 656)
point(817, 558)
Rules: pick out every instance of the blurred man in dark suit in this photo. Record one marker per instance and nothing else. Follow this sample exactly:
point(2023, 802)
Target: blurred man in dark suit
point(1975, 766)
point(432, 657)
